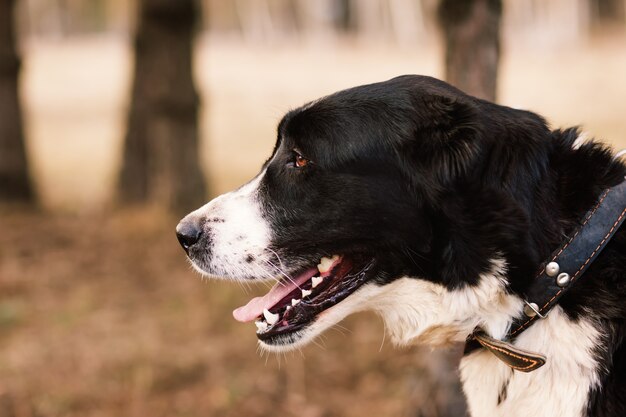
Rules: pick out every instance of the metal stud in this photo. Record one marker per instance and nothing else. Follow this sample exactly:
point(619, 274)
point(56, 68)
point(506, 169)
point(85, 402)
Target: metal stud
point(563, 279)
point(532, 310)
point(552, 269)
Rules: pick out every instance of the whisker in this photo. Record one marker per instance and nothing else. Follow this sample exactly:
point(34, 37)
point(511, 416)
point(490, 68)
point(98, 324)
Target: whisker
point(419, 255)
point(267, 275)
point(319, 342)
point(344, 328)
point(408, 252)
point(340, 331)
point(274, 267)
point(280, 261)
point(283, 273)
point(382, 343)
point(281, 269)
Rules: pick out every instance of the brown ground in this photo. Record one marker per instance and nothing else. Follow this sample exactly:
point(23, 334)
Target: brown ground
point(99, 313)
point(102, 316)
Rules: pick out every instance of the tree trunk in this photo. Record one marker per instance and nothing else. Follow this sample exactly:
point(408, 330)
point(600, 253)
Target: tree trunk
point(607, 13)
point(160, 163)
point(437, 391)
point(14, 181)
point(471, 30)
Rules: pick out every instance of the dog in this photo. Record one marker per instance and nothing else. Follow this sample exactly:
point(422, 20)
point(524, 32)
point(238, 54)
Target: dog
point(434, 209)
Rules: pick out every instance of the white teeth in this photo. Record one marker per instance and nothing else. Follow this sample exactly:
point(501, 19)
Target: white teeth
point(326, 263)
point(288, 308)
point(306, 293)
point(294, 302)
point(270, 318)
point(316, 281)
point(261, 326)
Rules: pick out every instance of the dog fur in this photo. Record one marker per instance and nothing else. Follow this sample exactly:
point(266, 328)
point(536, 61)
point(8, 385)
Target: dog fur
point(457, 200)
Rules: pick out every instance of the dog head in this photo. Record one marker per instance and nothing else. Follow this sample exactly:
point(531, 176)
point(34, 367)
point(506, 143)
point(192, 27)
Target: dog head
point(395, 197)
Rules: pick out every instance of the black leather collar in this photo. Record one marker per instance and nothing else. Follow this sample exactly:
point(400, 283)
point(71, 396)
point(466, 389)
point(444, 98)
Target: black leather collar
point(557, 274)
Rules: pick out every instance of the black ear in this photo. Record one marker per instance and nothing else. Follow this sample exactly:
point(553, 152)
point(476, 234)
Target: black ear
point(446, 138)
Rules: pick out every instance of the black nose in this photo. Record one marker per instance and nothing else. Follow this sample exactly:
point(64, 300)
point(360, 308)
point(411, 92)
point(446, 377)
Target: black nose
point(188, 232)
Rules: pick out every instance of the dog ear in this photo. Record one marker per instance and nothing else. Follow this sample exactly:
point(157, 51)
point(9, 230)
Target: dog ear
point(446, 136)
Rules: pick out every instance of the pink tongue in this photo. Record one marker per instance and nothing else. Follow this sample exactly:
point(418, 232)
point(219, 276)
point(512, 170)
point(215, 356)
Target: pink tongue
point(255, 307)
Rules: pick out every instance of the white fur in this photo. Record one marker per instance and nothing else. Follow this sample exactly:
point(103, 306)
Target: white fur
point(558, 389)
point(419, 311)
point(237, 230)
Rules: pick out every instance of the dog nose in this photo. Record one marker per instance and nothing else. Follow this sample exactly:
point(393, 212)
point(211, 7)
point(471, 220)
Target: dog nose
point(188, 232)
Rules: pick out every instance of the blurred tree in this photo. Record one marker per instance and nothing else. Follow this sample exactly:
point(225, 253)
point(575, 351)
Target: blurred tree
point(343, 15)
point(14, 181)
point(436, 390)
point(471, 31)
point(161, 146)
point(611, 12)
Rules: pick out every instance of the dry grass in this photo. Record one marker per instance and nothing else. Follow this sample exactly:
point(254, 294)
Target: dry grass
point(101, 316)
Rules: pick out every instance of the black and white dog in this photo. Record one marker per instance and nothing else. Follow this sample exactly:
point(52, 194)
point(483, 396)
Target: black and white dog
point(434, 209)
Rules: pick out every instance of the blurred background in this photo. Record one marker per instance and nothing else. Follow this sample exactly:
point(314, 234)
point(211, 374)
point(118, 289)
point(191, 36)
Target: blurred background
point(101, 151)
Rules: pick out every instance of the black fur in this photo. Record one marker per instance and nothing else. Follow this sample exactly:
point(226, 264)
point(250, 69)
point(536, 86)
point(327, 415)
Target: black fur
point(435, 183)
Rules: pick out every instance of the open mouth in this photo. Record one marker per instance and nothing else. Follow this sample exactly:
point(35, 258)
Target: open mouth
point(292, 304)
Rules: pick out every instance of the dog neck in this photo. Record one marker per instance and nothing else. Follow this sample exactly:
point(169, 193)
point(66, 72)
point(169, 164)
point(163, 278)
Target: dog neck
point(416, 311)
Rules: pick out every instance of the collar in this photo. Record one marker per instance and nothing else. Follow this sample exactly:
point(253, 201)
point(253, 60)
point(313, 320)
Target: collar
point(556, 276)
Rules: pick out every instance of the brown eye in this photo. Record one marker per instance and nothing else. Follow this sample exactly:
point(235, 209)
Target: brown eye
point(300, 161)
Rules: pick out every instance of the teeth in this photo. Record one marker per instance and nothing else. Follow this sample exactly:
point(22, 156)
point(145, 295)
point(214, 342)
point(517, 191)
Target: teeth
point(270, 318)
point(288, 308)
point(306, 293)
point(316, 281)
point(294, 302)
point(326, 263)
point(261, 326)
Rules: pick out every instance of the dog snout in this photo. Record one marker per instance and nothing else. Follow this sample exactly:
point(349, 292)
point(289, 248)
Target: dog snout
point(188, 232)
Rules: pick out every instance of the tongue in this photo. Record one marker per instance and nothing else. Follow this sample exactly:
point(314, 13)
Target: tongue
point(255, 307)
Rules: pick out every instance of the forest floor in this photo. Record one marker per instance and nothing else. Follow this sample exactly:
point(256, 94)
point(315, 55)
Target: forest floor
point(100, 315)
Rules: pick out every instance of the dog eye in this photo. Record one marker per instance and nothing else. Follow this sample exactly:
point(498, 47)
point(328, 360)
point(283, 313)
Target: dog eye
point(300, 161)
